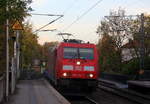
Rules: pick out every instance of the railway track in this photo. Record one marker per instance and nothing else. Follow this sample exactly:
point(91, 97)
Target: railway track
point(91, 100)
point(81, 100)
point(130, 95)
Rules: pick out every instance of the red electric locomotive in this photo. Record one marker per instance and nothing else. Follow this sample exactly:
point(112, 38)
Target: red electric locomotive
point(73, 64)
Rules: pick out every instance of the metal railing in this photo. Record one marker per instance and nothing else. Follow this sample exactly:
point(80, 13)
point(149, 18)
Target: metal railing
point(11, 83)
point(2, 87)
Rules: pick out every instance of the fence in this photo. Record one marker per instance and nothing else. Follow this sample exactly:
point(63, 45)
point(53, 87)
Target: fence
point(2, 88)
point(12, 82)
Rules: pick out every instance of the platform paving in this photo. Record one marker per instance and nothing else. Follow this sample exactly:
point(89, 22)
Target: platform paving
point(143, 84)
point(36, 92)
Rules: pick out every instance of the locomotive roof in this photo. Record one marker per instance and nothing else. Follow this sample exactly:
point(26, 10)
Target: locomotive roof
point(76, 44)
point(66, 44)
point(72, 43)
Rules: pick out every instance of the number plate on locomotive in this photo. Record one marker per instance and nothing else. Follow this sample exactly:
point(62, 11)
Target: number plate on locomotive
point(79, 68)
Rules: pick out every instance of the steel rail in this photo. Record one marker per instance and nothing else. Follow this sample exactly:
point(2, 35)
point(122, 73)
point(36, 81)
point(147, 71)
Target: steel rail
point(91, 100)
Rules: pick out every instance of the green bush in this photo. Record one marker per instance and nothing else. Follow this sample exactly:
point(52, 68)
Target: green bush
point(133, 66)
point(130, 67)
point(147, 63)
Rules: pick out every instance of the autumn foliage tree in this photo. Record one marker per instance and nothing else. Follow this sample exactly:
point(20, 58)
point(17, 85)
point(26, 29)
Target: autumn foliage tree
point(47, 47)
point(121, 29)
point(108, 54)
point(115, 27)
point(137, 35)
point(17, 11)
point(30, 48)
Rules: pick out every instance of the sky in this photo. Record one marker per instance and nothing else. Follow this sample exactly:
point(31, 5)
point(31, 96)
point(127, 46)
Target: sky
point(87, 22)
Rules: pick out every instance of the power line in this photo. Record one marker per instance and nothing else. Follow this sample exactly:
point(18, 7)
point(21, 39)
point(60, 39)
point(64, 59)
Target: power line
point(69, 7)
point(93, 6)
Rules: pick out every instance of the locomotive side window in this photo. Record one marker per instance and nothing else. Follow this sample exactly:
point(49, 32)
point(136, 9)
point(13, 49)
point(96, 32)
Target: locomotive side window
point(70, 52)
point(86, 53)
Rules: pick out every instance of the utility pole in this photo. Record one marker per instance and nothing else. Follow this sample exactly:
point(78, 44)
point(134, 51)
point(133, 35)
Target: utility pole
point(7, 52)
point(142, 47)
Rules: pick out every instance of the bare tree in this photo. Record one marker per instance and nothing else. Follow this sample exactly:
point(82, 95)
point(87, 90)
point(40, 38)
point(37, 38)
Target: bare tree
point(120, 27)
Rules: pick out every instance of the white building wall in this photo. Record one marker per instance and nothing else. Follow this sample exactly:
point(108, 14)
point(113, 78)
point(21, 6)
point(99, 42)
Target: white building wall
point(128, 54)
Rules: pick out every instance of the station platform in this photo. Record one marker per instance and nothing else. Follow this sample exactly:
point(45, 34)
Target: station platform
point(145, 84)
point(113, 83)
point(36, 92)
point(141, 86)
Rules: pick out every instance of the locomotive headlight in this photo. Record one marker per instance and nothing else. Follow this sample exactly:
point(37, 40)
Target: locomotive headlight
point(78, 62)
point(64, 74)
point(91, 75)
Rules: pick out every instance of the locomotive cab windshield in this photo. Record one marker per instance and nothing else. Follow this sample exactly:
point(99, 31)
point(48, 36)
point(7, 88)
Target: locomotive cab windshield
point(80, 53)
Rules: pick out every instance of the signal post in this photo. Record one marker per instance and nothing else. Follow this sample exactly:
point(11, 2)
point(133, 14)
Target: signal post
point(15, 71)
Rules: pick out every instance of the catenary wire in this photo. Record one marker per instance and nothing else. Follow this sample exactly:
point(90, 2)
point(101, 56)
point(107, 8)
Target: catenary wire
point(93, 6)
point(69, 7)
